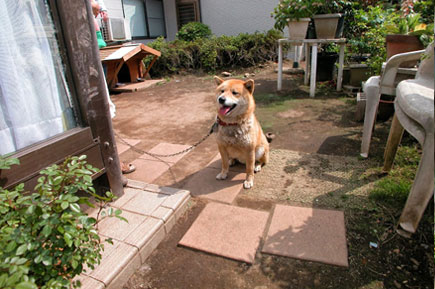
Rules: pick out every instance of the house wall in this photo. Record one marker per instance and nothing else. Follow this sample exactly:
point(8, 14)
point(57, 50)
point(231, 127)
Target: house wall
point(114, 8)
point(229, 17)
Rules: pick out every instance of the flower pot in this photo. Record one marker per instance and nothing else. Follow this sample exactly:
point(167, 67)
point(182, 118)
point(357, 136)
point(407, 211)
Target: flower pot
point(326, 25)
point(325, 66)
point(298, 28)
point(399, 43)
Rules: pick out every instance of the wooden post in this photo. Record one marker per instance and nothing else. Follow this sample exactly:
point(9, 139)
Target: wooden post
point(394, 138)
point(89, 83)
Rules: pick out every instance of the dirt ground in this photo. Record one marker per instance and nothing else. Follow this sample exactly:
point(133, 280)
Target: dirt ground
point(316, 139)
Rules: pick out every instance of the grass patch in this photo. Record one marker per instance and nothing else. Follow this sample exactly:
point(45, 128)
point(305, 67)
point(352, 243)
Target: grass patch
point(393, 189)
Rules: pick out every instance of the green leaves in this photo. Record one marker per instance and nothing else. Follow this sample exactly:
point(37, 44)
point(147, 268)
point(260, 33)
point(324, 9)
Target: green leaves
point(45, 237)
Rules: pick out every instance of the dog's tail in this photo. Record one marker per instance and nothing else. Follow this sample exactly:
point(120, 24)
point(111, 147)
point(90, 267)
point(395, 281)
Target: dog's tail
point(270, 136)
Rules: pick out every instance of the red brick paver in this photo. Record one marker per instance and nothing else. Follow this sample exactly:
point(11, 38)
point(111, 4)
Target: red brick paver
point(228, 231)
point(309, 234)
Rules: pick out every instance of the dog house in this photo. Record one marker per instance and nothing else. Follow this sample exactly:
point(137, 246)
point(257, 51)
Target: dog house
point(53, 101)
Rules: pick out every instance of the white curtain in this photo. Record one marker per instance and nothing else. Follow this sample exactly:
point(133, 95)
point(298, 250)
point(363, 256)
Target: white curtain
point(30, 106)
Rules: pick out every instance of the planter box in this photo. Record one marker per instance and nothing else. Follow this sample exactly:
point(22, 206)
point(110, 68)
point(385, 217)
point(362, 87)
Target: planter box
point(355, 74)
point(398, 43)
point(325, 66)
point(326, 25)
point(298, 28)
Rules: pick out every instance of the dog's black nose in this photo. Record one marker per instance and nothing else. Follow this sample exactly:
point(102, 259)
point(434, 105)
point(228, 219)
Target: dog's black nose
point(222, 100)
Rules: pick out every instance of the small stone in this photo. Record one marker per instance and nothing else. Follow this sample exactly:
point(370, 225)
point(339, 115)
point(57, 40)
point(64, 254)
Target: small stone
point(397, 284)
point(415, 261)
point(226, 74)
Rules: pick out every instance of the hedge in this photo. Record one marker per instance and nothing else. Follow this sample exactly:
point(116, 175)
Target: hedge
point(215, 53)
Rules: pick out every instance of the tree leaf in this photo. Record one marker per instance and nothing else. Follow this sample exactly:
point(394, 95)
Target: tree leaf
point(26, 285)
point(46, 231)
point(64, 205)
point(11, 246)
point(21, 249)
point(38, 259)
point(75, 207)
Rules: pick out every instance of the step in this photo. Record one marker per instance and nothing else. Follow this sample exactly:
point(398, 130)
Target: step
point(151, 211)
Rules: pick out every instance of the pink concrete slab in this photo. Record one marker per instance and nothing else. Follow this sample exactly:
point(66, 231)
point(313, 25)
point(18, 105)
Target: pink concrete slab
point(144, 203)
point(227, 231)
point(147, 171)
point(166, 149)
point(204, 184)
point(123, 147)
point(309, 234)
point(217, 164)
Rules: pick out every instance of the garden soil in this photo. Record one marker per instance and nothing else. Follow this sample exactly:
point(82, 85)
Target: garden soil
point(314, 163)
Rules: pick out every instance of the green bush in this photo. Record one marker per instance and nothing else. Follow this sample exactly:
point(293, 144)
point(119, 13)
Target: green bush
point(192, 31)
point(45, 238)
point(366, 34)
point(215, 53)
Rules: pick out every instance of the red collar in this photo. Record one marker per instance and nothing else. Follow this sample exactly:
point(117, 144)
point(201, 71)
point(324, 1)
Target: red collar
point(222, 123)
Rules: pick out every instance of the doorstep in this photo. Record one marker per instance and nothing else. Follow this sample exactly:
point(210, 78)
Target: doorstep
point(151, 211)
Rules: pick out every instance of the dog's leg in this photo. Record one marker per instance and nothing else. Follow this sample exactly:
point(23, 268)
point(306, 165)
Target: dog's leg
point(250, 166)
point(225, 163)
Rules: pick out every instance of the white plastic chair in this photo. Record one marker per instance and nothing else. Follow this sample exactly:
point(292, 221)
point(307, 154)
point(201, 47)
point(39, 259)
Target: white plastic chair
point(414, 111)
point(377, 85)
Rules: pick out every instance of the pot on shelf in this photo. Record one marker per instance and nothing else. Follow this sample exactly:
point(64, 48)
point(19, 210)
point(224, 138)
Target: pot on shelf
point(400, 43)
point(298, 28)
point(326, 25)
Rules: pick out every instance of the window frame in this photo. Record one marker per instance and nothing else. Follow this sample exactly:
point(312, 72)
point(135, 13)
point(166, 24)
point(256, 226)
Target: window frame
point(148, 36)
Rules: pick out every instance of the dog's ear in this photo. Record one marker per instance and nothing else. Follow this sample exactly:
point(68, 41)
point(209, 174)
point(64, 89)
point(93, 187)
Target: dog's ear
point(218, 80)
point(249, 84)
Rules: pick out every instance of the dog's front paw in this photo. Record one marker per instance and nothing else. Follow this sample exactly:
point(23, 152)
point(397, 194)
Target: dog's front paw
point(257, 168)
point(221, 176)
point(248, 184)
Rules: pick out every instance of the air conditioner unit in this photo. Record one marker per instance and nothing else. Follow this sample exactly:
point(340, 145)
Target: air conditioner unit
point(115, 29)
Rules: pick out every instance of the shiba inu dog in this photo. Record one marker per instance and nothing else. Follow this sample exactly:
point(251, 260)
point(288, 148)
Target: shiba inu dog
point(239, 136)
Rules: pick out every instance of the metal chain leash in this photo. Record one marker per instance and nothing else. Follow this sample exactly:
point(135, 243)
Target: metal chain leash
point(158, 156)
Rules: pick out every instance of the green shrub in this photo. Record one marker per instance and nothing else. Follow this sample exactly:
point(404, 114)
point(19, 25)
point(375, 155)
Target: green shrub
point(192, 31)
point(45, 238)
point(215, 53)
point(366, 34)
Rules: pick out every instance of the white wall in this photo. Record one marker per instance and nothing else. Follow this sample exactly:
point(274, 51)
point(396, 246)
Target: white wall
point(170, 19)
point(231, 17)
point(114, 8)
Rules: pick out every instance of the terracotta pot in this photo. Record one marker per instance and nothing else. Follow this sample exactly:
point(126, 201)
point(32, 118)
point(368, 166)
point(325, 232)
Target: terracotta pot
point(326, 25)
point(298, 28)
point(399, 43)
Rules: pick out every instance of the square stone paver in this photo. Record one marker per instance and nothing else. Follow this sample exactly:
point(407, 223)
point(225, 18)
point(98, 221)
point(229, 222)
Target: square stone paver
point(123, 147)
point(204, 184)
point(308, 234)
point(147, 170)
point(166, 149)
point(228, 231)
point(118, 229)
point(144, 202)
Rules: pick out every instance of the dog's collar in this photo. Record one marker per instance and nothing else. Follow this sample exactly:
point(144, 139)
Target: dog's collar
point(222, 123)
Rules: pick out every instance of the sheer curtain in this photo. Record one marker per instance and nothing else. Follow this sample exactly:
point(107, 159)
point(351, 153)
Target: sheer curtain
point(31, 107)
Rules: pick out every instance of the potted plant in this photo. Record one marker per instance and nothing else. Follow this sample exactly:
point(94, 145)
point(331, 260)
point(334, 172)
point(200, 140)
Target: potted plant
point(294, 13)
point(329, 17)
point(408, 34)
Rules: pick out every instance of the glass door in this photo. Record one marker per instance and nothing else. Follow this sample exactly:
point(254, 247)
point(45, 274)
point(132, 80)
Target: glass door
point(35, 102)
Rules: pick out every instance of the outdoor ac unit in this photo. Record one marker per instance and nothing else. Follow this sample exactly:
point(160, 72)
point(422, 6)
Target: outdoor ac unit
point(115, 29)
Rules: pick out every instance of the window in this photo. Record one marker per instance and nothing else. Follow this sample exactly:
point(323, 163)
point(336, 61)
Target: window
point(146, 18)
point(35, 102)
point(187, 12)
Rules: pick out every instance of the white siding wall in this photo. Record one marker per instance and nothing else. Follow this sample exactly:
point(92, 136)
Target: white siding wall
point(114, 8)
point(231, 17)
